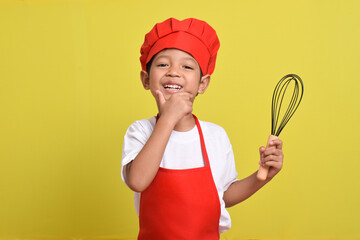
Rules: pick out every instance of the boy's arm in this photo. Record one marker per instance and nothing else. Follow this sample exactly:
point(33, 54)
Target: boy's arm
point(142, 170)
point(243, 189)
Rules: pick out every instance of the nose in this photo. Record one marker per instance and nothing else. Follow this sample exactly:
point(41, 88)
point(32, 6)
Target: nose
point(173, 72)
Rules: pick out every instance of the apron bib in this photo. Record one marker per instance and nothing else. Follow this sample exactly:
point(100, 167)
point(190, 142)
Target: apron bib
point(181, 204)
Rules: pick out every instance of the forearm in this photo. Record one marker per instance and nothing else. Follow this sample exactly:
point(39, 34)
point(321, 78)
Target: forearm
point(142, 170)
point(243, 189)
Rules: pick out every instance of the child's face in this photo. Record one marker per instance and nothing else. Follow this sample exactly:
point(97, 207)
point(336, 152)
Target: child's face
point(174, 71)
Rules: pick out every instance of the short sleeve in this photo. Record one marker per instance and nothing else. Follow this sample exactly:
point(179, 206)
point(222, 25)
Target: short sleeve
point(222, 155)
point(222, 165)
point(230, 174)
point(135, 138)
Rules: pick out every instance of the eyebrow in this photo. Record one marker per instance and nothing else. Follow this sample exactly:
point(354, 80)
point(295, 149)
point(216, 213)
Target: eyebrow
point(162, 56)
point(184, 58)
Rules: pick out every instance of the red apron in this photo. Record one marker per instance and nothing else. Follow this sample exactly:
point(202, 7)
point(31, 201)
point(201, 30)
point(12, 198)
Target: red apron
point(181, 204)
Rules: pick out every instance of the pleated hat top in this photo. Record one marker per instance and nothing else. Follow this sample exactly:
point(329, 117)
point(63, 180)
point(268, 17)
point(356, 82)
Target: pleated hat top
point(191, 35)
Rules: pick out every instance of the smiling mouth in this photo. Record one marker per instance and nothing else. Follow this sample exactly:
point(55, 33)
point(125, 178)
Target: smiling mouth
point(172, 87)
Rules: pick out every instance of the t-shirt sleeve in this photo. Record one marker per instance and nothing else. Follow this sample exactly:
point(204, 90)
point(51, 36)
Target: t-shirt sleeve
point(221, 155)
point(135, 138)
point(230, 175)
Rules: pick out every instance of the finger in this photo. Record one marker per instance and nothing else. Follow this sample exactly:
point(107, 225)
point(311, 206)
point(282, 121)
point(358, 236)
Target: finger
point(186, 95)
point(160, 96)
point(273, 164)
point(272, 158)
point(261, 164)
point(261, 151)
point(277, 143)
point(272, 151)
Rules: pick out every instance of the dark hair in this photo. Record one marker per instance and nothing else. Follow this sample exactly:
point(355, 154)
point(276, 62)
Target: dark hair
point(148, 66)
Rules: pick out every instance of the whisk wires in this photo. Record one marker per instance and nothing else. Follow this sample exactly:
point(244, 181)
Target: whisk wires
point(277, 100)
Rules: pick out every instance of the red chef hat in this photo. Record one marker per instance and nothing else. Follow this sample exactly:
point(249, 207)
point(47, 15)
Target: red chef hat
point(191, 35)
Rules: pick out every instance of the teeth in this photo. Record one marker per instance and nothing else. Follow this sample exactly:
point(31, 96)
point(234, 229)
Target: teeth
point(168, 86)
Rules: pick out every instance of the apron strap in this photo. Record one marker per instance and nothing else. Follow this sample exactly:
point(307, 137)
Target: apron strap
point(202, 142)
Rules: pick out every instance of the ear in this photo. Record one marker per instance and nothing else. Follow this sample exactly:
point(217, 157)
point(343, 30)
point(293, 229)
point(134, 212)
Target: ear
point(145, 79)
point(204, 83)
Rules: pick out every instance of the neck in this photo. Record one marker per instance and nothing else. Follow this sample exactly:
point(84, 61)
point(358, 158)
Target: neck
point(185, 124)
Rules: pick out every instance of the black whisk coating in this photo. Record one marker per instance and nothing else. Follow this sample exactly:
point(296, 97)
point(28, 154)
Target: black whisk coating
point(278, 97)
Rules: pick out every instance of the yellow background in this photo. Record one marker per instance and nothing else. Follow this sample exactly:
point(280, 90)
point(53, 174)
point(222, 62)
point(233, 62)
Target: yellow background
point(69, 88)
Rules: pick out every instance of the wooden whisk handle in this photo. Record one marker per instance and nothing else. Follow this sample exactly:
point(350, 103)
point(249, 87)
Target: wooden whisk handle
point(263, 171)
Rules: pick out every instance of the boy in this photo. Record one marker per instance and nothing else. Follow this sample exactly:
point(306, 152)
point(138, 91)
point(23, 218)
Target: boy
point(181, 169)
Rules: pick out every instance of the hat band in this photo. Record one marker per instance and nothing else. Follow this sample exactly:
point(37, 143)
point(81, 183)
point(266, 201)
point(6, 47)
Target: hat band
point(186, 42)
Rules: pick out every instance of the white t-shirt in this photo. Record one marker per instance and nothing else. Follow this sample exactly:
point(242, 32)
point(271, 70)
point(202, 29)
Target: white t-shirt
point(183, 151)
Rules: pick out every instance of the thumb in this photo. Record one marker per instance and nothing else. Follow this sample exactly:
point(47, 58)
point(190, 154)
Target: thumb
point(161, 98)
point(261, 151)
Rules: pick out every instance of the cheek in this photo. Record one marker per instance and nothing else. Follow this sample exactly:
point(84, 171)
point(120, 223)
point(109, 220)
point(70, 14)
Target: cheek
point(154, 77)
point(152, 81)
point(197, 75)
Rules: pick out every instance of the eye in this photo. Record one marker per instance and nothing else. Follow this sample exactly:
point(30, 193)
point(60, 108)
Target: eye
point(188, 67)
point(162, 65)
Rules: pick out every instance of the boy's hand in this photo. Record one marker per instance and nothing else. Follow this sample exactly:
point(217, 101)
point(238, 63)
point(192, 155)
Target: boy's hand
point(272, 157)
point(177, 106)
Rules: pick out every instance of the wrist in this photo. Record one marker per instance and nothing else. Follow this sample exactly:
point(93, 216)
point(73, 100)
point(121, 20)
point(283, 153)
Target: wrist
point(166, 121)
point(261, 182)
point(170, 119)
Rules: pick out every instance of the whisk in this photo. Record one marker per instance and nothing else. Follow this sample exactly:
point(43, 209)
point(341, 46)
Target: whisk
point(277, 100)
